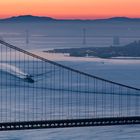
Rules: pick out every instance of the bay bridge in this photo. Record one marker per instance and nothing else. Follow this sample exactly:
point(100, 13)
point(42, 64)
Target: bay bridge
point(69, 41)
point(36, 93)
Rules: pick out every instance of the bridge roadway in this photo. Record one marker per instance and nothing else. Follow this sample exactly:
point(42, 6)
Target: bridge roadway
point(69, 123)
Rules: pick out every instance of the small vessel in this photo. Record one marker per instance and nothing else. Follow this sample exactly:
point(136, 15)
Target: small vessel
point(29, 79)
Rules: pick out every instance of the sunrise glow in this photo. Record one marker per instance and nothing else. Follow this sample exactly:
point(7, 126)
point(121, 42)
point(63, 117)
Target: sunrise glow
point(63, 9)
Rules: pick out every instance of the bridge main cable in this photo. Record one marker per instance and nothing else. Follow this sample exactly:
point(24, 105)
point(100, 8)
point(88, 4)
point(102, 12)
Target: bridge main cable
point(65, 67)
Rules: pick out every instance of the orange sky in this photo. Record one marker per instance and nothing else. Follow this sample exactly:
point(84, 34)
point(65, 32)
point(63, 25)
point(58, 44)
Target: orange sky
point(84, 9)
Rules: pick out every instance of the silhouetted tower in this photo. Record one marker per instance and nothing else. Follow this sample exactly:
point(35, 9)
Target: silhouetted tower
point(116, 41)
point(84, 36)
point(27, 38)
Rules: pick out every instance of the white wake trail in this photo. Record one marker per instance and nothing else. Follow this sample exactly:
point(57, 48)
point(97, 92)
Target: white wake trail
point(12, 70)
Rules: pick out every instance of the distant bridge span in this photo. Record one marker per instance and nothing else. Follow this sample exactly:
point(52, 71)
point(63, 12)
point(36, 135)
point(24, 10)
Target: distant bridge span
point(59, 96)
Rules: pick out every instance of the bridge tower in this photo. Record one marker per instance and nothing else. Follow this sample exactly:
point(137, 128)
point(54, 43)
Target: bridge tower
point(116, 41)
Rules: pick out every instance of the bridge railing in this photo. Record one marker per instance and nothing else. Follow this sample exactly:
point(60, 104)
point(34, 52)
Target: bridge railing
point(33, 88)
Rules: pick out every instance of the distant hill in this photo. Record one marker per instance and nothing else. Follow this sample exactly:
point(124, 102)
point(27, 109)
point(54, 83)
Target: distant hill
point(30, 18)
point(120, 19)
point(27, 18)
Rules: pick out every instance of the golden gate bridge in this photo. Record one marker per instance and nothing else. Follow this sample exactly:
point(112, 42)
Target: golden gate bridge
point(36, 93)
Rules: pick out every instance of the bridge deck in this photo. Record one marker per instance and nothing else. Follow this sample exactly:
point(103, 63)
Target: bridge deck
point(69, 123)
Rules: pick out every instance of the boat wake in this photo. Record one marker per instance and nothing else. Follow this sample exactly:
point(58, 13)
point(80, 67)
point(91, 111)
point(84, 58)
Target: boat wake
point(7, 69)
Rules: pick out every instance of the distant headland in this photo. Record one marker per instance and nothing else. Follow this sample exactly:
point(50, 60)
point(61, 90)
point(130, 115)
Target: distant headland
point(31, 18)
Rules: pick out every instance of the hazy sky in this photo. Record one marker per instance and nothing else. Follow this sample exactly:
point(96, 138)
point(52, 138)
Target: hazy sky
point(84, 9)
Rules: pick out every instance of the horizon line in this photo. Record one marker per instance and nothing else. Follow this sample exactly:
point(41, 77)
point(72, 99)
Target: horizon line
point(68, 18)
